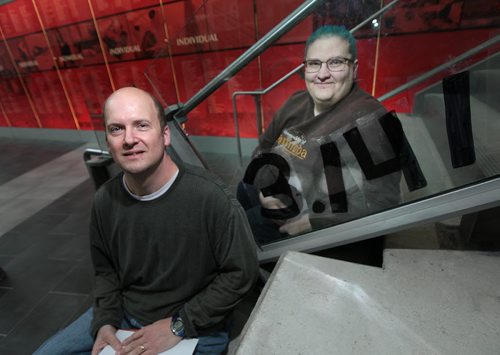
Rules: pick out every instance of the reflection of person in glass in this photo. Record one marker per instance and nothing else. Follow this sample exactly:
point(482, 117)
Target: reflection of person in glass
point(306, 172)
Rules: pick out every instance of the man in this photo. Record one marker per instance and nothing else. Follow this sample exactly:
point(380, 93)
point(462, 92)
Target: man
point(171, 248)
point(294, 166)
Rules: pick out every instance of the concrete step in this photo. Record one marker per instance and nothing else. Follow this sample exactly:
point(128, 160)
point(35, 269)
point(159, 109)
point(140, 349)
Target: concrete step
point(422, 302)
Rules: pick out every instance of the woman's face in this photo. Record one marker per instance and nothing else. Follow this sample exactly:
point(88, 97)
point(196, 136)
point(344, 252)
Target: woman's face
point(328, 87)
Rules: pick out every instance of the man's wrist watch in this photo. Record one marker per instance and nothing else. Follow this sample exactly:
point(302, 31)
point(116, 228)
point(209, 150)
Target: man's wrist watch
point(177, 325)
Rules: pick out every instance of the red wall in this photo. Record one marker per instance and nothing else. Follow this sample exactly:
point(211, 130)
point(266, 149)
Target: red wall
point(55, 73)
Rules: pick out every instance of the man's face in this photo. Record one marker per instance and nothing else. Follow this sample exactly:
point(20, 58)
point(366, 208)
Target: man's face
point(328, 87)
point(133, 133)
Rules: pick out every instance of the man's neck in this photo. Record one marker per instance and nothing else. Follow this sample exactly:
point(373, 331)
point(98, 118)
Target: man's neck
point(150, 182)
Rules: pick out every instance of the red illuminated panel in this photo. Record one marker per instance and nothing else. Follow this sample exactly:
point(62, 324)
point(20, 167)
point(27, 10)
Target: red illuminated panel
point(276, 62)
point(366, 62)
point(16, 104)
point(56, 13)
point(214, 116)
point(48, 96)
point(192, 27)
point(94, 86)
point(110, 7)
point(159, 72)
point(18, 18)
point(189, 83)
point(281, 9)
point(222, 25)
point(75, 88)
point(3, 118)
point(397, 67)
point(38, 51)
point(131, 74)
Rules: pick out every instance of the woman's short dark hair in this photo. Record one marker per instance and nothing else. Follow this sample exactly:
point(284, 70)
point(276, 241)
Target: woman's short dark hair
point(334, 31)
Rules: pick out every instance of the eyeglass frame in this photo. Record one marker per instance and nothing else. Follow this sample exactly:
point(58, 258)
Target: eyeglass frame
point(345, 61)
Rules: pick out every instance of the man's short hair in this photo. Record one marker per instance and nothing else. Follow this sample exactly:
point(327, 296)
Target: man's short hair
point(334, 31)
point(159, 110)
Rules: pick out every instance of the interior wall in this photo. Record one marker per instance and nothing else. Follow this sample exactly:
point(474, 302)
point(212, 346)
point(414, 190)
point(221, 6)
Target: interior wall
point(59, 59)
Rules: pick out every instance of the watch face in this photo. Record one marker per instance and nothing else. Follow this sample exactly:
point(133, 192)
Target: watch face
point(177, 326)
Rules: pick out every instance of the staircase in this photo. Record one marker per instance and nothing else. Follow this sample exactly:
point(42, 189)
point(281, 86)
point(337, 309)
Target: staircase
point(420, 302)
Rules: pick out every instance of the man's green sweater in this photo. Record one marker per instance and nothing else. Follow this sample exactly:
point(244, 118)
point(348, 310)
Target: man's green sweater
point(189, 251)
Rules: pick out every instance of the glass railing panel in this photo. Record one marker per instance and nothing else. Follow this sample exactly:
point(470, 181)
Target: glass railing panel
point(379, 163)
point(455, 119)
point(376, 162)
point(430, 35)
point(444, 43)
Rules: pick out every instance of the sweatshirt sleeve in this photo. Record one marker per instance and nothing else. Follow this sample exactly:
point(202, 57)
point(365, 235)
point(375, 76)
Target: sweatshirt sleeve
point(235, 254)
point(107, 303)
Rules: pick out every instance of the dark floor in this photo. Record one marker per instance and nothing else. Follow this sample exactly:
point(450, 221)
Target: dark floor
point(46, 256)
point(21, 158)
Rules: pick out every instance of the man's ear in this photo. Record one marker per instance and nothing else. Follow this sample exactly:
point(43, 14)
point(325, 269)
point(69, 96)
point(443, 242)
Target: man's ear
point(166, 135)
point(355, 70)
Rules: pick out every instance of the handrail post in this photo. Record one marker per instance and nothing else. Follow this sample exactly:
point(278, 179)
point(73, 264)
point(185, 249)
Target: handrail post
point(237, 128)
point(258, 108)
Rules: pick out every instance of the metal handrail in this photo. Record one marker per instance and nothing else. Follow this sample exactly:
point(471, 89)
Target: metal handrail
point(255, 93)
point(90, 152)
point(465, 200)
point(440, 68)
point(279, 30)
point(288, 75)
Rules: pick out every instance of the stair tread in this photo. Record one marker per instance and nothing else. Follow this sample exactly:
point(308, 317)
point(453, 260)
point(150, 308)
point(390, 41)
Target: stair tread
point(424, 301)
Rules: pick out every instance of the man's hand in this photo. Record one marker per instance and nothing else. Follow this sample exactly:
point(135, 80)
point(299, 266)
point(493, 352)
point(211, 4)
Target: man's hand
point(106, 336)
point(150, 340)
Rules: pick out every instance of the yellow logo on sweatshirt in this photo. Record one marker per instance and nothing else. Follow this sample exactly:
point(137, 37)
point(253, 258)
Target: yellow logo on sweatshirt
point(292, 145)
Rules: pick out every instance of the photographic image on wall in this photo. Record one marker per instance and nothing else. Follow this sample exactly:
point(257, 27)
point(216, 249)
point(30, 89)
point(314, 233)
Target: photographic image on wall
point(118, 40)
point(62, 41)
point(84, 39)
point(147, 32)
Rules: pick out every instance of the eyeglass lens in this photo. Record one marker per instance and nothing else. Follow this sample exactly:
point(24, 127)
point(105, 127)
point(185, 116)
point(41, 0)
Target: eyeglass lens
point(333, 64)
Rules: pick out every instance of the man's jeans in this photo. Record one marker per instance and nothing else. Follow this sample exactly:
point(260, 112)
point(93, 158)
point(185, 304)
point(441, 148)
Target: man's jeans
point(75, 339)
